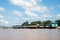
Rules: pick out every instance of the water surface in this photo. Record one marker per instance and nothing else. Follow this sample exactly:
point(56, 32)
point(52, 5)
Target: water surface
point(29, 34)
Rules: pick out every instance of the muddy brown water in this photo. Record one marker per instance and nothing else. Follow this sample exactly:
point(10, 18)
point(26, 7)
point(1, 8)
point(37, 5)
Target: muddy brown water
point(29, 34)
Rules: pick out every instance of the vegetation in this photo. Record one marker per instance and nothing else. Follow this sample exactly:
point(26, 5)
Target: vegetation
point(35, 22)
point(58, 22)
point(25, 23)
point(44, 23)
point(4, 27)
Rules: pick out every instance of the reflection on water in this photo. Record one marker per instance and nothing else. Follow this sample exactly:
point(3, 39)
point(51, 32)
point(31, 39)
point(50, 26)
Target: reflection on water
point(29, 34)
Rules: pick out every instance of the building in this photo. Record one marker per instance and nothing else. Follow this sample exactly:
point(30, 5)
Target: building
point(54, 24)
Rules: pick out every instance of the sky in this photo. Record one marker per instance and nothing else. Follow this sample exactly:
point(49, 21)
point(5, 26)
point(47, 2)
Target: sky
point(15, 12)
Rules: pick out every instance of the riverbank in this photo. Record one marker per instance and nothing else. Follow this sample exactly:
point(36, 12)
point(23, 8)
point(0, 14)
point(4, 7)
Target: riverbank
point(58, 27)
point(33, 28)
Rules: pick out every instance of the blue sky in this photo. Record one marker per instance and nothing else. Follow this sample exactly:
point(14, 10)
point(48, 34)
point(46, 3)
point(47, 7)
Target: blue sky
point(15, 12)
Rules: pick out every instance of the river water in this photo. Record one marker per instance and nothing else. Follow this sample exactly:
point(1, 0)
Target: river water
point(29, 34)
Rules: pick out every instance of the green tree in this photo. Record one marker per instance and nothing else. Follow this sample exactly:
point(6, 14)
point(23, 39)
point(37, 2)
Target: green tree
point(58, 22)
point(25, 23)
point(36, 22)
point(45, 23)
point(4, 27)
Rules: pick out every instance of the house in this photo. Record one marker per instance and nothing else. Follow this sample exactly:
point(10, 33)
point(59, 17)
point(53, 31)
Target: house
point(54, 24)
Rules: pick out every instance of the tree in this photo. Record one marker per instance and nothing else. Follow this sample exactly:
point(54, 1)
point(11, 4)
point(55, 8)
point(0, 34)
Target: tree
point(4, 27)
point(45, 23)
point(25, 23)
point(58, 22)
point(36, 22)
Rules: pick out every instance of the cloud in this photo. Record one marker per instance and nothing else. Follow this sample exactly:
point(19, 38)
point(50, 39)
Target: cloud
point(31, 14)
point(47, 15)
point(26, 19)
point(31, 8)
point(2, 9)
point(4, 22)
point(22, 2)
point(52, 7)
point(17, 13)
point(30, 5)
point(58, 15)
point(1, 16)
point(16, 19)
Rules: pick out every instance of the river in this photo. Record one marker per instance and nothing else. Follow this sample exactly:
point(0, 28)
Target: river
point(29, 34)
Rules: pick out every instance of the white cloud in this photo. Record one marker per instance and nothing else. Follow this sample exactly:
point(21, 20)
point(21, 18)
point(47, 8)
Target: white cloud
point(9, 17)
point(17, 13)
point(30, 5)
point(46, 15)
point(16, 19)
point(4, 22)
point(2, 9)
point(31, 14)
point(26, 18)
point(40, 8)
point(52, 7)
point(43, 18)
point(58, 15)
point(1, 21)
point(20, 3)
point(1, 16)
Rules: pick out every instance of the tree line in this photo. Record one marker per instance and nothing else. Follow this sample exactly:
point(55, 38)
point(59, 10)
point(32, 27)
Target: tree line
point(40, 23)
point(44, 24)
